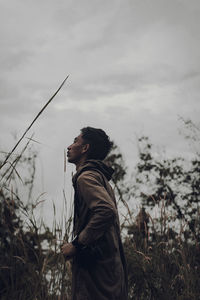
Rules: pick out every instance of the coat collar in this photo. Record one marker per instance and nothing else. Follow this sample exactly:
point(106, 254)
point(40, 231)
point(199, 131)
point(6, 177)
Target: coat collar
point(92, 164)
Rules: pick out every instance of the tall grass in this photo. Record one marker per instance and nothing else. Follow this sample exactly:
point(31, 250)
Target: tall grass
point(162, 263)
point(31, 264)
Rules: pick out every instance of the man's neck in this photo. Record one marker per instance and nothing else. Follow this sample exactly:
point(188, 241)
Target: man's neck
point(81, 162)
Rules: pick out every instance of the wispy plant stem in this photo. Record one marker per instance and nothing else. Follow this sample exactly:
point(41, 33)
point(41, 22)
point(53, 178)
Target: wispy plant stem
point(29, 127)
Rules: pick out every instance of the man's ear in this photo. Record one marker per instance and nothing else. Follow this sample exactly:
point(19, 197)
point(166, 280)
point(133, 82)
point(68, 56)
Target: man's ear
point(85, 148)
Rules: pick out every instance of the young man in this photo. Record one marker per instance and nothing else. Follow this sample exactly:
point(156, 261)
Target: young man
point(99, 268)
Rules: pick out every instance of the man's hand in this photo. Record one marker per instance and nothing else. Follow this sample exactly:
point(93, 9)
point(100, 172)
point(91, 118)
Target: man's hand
point(68, 250)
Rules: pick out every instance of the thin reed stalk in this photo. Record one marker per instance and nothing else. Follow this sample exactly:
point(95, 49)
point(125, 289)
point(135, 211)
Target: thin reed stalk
point(29, 127)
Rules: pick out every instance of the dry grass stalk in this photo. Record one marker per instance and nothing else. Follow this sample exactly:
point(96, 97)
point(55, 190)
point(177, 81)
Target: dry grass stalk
point(14, 164)
point(29, 127)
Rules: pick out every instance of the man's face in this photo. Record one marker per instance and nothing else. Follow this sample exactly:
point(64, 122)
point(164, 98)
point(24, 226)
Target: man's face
point(76, 150)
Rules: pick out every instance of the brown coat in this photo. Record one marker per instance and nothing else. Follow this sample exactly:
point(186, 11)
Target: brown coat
point(96, 222)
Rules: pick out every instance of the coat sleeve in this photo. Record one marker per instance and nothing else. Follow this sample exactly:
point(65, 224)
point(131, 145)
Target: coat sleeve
point(98, 200)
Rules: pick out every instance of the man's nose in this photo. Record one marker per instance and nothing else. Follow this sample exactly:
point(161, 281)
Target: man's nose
point(69, 147)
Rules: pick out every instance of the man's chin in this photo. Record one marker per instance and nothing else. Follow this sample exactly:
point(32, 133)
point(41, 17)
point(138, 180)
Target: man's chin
point(70, 160)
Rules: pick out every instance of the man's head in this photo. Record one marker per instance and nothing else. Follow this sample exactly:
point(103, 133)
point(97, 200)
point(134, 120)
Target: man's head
point(92, 143)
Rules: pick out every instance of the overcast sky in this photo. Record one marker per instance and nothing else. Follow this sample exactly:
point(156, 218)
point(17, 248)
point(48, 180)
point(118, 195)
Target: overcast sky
point(134, 68)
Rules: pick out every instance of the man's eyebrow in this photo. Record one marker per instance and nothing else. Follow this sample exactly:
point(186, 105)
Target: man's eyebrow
point(75, 139)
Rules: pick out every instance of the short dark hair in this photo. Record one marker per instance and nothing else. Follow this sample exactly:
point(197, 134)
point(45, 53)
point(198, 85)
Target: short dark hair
point(100, 144)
